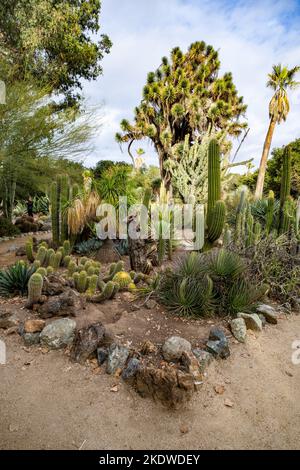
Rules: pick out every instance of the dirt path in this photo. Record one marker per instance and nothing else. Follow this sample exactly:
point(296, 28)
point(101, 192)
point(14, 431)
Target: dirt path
point(53, 404)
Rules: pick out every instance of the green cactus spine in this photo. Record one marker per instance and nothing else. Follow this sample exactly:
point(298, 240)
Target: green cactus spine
point(50, 270)
point(107, 293)
point(42, 272)
point(114, 269)
point(67, 260)
point(90, 271)
point(41, 255)
point(37, 263)
point(55, 260)
point(72, 268)
point(29, 250)
point(217, 221)
point(270, 212)
point(83, 260)
point(55, 211)
point(67, 247)
point(35, 286)
point(92, 285)
point(65, 196)
point(249, 227)
point(214, 177)
point(50, 252)
point(285, 189)
point(82, 282)
point(76, 279)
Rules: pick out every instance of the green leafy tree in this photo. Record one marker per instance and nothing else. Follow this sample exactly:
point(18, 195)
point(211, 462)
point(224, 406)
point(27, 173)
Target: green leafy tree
point(280, 80)
point(31, 129)
point(274, 171)
point(185, 96)
point(53, 41)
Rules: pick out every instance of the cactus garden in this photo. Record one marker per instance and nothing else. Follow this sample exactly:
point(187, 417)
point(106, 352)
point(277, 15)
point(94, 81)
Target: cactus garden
point(162, 267)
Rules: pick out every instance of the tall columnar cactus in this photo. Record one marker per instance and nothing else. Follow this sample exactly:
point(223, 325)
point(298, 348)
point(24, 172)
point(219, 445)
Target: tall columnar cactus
point(41, 255)
point(55, 211)
point(29, 250)
point(270, 211)
point(216, 209)
point(76, 279)
point(66, 261)
point(285, 189)
point(249, 228)
point(35, 286)
point(214, 177)
point(65, 196)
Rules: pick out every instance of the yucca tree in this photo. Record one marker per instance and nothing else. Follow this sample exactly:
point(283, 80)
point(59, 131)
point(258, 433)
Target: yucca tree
point(185, 96)
point(281, 79)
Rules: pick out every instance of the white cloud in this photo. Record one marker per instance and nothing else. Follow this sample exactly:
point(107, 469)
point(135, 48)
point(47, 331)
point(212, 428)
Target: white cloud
point(251, 37)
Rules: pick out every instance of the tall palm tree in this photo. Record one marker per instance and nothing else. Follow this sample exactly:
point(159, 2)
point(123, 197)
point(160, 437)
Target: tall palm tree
point(280, 80)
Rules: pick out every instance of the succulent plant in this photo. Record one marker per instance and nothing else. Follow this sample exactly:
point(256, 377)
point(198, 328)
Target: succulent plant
point(92, 285)
point(42, 272)
point(123, 279)
point(29, 250)
point(41, 255)
point(35, 286)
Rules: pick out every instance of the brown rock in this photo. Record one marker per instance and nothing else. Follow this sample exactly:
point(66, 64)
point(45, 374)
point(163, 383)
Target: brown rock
point(58, 305)
point(34, 326)
point(148, 348)
point(191, 365)
point(8, 320)
point(170, 386)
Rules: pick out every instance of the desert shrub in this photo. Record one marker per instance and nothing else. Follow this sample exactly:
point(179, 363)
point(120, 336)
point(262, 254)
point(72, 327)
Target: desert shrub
point(14, 280)
point(88, 247)
point(276, 261)
point(7, 229)
point(211, 282)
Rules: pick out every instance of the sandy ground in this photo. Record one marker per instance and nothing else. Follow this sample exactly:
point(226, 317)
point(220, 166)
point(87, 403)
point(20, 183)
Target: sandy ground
point(49, 403)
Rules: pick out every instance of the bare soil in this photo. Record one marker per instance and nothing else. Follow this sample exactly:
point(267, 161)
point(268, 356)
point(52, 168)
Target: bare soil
point(47, 402)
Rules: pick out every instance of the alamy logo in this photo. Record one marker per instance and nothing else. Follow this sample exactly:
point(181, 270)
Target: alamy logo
point(2, 352)
point(296, 353)
point(2, 92)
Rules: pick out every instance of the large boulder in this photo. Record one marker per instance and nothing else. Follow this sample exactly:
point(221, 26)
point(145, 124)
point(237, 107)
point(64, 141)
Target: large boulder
point(58, 334)
point(58, 305)
point(174, 347)
point(170, 386)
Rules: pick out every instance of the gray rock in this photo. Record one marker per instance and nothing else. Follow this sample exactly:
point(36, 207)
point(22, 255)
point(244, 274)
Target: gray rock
point(218, 348)
point(268, 312)
point(58, 334)
point(132, 369)
point(253, 322)
point(204, 358)
point(86, 342)
point(239, 329)
point(150, 304)
point(102, 355)
point(8, 320)
point(263, 319)
point(31, 338)
point(174, 347)
point(216, 334)
point(117, 357)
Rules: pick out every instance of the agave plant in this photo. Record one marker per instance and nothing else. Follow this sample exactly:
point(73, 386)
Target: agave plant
point(201, 283)
point(14, 280)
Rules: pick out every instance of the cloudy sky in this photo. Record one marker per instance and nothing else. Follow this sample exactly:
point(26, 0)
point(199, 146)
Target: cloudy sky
point(250, 35)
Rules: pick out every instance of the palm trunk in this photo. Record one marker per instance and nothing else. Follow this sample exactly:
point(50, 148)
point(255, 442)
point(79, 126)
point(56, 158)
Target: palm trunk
point(264, 160)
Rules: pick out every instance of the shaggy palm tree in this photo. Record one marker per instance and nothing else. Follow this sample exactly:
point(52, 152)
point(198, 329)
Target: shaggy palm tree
point(280, 80)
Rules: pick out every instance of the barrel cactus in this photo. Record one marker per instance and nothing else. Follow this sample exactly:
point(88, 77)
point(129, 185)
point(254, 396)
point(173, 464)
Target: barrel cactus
point(41, 255)
point(35, 286)
point(123, 279)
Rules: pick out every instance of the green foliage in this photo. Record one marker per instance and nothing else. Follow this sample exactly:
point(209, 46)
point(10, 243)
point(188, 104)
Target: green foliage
point(203, 283)
point(53, 42)
point(41, 205)
point(88, 247)
point(183, 97)
point(92, 285)
point(50, 270)
point(114, 269)
point(42, 272)
point(109, 291)
point(72, 268)
point(67, 247)
point(14, 280)
point(274, 171)
point(35, 286)
point(82, 282)
point(7, 229)
point(116, 182)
